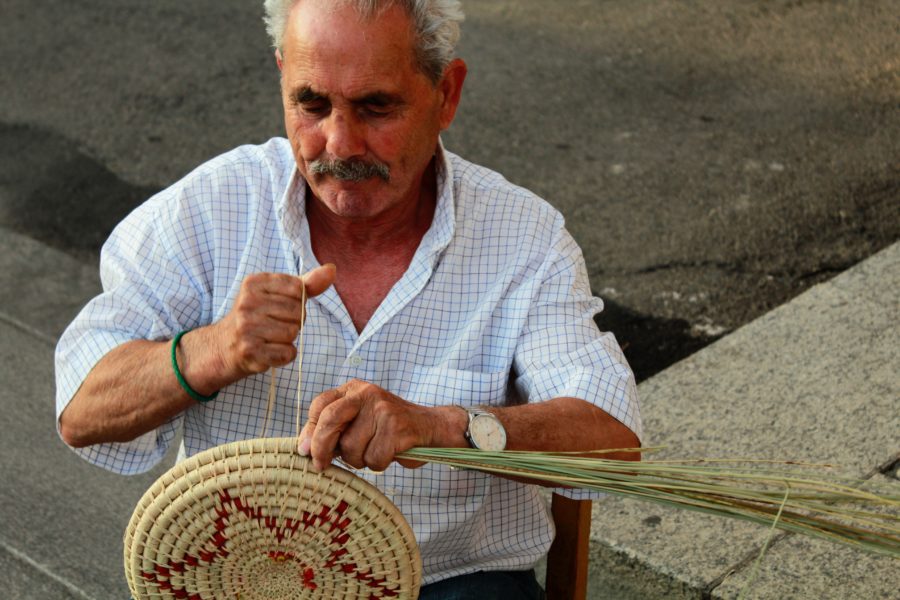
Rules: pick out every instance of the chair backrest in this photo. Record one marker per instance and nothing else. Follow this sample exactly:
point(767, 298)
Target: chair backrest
point(567, 561)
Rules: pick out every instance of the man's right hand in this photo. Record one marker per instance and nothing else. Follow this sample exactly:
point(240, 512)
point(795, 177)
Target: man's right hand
point(259, 331)
point(132, 389)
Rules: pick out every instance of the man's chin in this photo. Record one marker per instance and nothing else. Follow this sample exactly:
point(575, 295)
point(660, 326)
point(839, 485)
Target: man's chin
point(329, 186)
point(348, 201)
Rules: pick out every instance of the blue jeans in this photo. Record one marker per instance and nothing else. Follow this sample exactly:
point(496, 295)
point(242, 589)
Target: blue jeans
point(486, 585)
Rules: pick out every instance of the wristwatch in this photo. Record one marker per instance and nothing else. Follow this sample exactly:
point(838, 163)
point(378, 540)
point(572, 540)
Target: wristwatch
point(485, 431)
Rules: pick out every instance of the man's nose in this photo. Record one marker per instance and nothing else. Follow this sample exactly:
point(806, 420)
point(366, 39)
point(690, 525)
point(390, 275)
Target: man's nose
point(345, 136)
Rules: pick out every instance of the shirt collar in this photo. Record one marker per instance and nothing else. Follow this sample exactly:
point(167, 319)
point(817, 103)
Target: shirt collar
point(290, 211)
point(443, 224)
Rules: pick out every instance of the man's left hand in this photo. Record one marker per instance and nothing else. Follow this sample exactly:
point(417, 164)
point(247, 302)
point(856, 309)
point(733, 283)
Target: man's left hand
point(367, 426)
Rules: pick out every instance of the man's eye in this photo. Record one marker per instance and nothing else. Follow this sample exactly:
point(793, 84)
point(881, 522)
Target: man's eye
point(377, 110)
point(314, 108)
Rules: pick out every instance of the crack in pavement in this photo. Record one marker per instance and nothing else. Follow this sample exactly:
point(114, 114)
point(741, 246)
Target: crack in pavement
point(45, 571)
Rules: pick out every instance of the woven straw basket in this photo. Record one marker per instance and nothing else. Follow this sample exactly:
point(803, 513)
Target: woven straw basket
point(249, 520)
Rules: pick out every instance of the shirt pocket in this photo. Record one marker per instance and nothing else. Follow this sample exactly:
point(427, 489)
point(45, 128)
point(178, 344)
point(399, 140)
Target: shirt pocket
point(439, 386)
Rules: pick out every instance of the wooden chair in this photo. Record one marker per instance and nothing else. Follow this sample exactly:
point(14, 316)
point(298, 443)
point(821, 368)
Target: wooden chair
point(567, 561)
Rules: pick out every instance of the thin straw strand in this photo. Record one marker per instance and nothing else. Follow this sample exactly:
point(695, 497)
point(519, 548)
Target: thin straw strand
point(765, 545)
point(300, 358)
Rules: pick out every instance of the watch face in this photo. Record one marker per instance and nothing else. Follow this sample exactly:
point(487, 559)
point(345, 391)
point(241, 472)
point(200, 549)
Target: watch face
point(487, 433)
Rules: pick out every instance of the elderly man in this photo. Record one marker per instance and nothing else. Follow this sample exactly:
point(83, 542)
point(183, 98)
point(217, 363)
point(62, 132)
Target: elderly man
point(434, 285)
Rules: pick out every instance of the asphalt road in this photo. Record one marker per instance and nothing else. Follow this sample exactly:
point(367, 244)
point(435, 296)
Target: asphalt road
point(713, 158)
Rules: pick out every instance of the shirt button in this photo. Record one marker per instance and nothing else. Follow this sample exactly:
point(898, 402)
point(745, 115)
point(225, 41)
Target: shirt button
point(355, 360)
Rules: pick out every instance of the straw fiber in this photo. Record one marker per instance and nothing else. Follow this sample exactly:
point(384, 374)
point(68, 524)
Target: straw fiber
point(249, 520)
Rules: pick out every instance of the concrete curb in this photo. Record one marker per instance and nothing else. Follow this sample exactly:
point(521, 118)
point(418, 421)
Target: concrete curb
point(815, 379)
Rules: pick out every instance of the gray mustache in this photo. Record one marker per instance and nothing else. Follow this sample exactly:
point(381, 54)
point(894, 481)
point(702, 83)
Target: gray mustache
point(350, 170)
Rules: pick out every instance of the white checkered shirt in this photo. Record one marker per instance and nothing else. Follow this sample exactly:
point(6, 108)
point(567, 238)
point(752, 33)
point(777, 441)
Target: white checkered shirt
point(497, 288)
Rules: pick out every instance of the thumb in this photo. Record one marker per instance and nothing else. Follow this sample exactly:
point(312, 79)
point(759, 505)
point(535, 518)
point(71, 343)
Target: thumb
point(319, 279)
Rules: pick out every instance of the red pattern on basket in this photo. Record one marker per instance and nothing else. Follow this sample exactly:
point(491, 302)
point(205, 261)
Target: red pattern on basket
point(328, 516)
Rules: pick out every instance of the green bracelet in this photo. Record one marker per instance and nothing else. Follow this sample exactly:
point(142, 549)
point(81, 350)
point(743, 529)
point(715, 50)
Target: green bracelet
point(184, 384)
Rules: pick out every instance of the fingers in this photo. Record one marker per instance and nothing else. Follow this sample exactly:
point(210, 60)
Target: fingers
point(319, 403)
point(290, 287)
point(275, 284)
point(282, 294)
point(260, 329)
point(255, 343)
point(363, 423)
point(263, 330)
point(283, 309)
point(378, 456)
point(328, 438)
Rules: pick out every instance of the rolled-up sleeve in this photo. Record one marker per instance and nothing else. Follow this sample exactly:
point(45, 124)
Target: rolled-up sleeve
point(146, 295)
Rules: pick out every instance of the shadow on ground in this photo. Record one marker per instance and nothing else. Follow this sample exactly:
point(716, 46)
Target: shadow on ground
point(53, 192)
point(650, 343)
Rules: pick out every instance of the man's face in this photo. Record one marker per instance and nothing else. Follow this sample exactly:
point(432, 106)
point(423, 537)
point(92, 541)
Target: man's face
point(352, 92)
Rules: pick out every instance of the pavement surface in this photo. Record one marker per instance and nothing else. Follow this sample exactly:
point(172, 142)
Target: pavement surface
point(714, 159)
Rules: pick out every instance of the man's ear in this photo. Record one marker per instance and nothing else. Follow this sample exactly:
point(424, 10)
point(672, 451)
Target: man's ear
point(278, 60)
point(450, 86)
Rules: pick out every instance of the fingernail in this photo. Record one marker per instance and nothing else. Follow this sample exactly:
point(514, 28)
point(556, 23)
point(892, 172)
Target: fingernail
point(303, 446)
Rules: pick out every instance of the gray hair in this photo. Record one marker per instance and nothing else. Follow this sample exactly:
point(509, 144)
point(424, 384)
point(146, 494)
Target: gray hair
point(435, 24)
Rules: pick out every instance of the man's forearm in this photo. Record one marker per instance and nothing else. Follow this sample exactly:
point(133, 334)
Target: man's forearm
point(133, 390)
point(565, 424)
point(560, 424)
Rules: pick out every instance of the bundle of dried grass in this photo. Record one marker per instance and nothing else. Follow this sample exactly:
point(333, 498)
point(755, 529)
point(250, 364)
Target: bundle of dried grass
point(797, 497)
